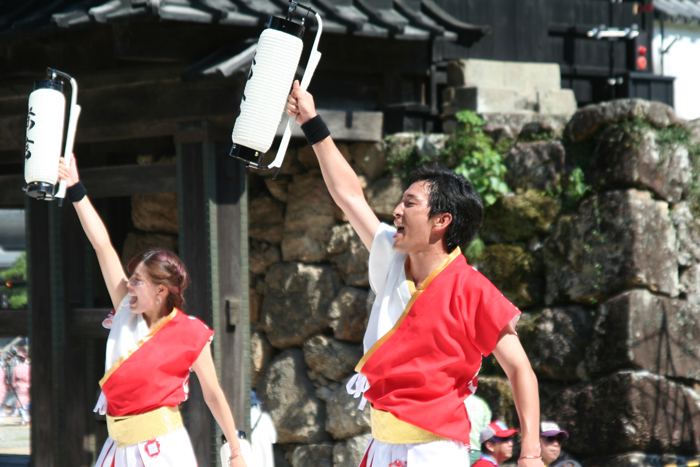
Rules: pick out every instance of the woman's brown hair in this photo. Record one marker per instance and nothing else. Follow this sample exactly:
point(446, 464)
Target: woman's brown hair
point(164, 268)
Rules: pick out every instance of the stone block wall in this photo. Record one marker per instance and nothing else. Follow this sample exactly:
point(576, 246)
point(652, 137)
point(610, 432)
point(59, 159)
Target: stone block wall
point(494, 88)
point(609, 285)
point(155, 219)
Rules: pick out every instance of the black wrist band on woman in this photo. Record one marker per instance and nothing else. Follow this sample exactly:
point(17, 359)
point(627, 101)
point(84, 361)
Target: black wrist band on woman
point(315, 130)
point(76, 192)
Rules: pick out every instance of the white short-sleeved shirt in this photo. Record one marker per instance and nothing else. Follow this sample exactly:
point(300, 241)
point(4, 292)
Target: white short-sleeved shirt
point(127, 330)
point(387, 277)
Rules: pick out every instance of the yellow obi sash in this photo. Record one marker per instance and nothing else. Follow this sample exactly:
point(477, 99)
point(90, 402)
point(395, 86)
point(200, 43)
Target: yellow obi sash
point(133, 429)
point(389, 429)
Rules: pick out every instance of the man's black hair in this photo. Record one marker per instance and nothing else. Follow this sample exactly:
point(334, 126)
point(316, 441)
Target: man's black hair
point(451, 193)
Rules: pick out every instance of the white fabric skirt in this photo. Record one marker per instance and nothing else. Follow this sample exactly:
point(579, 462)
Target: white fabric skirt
point(442, 453)
point(169, 450)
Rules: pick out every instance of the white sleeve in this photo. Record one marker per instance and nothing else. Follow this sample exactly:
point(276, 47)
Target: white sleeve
point(123, 305)
point(381, 257)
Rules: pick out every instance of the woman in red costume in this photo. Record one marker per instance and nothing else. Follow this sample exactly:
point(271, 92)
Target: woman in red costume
point(151, 349)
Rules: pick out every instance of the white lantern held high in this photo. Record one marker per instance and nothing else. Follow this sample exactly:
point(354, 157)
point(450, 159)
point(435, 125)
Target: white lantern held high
point(45, 135)
point(269, 81)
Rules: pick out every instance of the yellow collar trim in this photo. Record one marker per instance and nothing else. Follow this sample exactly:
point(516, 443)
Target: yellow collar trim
point(415, 293)
point(145, 339)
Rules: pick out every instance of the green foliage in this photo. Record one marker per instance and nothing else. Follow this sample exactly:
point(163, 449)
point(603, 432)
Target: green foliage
point(667, 138)
point(18, 269)
point(504, 145)
point(474, 250)
point(575, 188)
point(545, 135)
point(582, 151)
point(16, 272)
point(693, 193)
point(469, 152)
point(673, 135)
point(627, 133)
point(472, 154)
point(402, 159)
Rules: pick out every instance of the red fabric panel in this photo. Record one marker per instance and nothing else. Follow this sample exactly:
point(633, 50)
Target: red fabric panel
point(156, 374)
point(422, 373)
point(483, 463)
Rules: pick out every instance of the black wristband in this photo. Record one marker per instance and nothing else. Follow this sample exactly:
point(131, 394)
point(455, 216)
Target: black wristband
point(76, 192)
point(315, 130)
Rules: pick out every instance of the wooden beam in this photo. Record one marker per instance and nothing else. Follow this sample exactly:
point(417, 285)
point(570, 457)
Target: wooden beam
point(87, 322)
point(174, 41)
point(73, 51)
point(372, 55)
point(346, 125)
point(132, 110)
point(13, 322)
point(84, 322)
point(104, 182)
point(585, 71)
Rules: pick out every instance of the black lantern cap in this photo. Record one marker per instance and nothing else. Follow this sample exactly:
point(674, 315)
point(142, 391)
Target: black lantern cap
point(49, 84)
point(290, 27)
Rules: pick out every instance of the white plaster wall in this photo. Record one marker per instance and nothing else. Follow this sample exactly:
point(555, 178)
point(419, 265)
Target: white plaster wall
point(683, 62)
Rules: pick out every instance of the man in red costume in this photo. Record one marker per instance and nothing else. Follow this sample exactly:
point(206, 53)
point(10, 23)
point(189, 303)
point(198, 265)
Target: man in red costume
point(434, 316)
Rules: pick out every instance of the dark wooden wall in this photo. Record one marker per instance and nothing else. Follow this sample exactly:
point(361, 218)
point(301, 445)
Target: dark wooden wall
point(524, 30)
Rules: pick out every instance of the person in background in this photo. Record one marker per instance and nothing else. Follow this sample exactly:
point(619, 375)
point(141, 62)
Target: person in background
point(479, 415)
point(551, 439)
point(10, 401)
point(496, 444)
point(3, 388)
point(21, 382)
point(262, 434)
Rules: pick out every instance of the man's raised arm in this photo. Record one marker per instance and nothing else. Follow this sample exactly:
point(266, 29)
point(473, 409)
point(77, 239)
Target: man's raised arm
point(341, 180)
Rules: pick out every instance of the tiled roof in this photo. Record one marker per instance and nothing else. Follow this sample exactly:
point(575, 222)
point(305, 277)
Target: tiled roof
point(401, 19)
point(686, 11)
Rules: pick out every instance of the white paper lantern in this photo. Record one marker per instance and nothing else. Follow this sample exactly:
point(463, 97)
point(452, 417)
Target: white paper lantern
point(44, 144)
point(265, 94)
point(45, 130)
point(269, 83)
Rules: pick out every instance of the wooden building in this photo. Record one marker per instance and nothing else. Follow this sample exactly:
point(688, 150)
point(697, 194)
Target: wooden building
point(556, 31)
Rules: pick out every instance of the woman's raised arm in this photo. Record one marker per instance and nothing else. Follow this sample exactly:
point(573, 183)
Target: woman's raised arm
point(94, 228)
point(216, 401)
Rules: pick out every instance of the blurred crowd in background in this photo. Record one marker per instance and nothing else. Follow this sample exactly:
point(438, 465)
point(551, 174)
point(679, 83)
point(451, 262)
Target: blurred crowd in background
point(15, 380)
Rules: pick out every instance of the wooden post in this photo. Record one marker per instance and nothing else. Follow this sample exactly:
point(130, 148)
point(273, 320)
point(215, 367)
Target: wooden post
point(232, 313)
point(58, 332)
point(212, 206)
point(39, 324)
point(78, 398)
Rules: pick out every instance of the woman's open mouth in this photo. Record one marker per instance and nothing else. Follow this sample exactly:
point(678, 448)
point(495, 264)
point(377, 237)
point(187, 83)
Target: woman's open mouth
point(132, 302)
